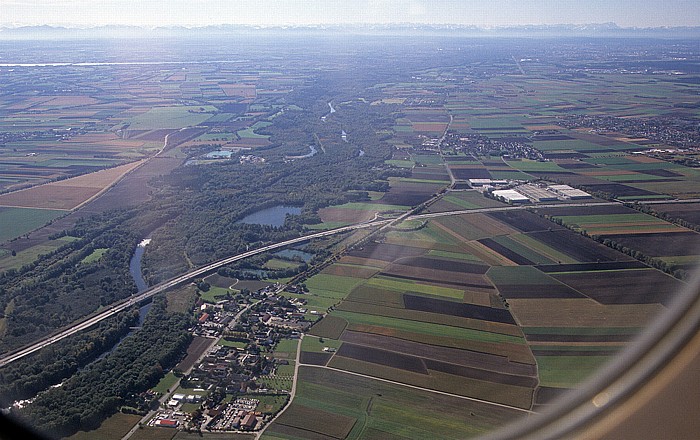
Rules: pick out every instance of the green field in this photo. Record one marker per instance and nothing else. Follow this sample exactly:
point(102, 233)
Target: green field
point(276, 263)
point(171, 117)
point(427, 328)
point(412, 286)
point(208, 137)
point(94, 256)
point(523, 250)
point(315, 345)
point(287, 347)
point(269, 404)
point(19, 221)
point(400, 163)
point(166, 383)
point(7, 261)
point(114, 428)
point(382, 410)
point(333, 283)
point(372, 207)
point(214, 294)
point(236, 344)
point(567, 371)
point(531, 165)
point(522, 275)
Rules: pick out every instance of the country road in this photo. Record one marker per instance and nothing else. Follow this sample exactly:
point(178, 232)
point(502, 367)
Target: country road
point(135, 299)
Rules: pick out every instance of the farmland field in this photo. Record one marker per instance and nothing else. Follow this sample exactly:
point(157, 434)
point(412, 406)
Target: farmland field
point(381, 409)
point(66, 194)
point(19, 221)
point(177, 140)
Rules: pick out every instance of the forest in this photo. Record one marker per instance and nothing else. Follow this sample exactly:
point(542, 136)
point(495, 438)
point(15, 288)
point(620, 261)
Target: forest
point(97, 391)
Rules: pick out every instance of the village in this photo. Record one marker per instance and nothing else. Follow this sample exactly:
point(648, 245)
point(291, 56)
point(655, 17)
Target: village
point(236, 385)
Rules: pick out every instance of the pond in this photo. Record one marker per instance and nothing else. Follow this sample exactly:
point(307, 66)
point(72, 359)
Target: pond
point(271, 216)
point(294, 253)
point(219, 154)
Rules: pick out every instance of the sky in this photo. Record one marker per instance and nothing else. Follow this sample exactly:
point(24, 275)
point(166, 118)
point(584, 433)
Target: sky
point(481, 13)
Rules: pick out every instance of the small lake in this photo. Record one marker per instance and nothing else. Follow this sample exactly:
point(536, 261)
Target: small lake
point(294, 253)
point(219, 154)
point(271, 216)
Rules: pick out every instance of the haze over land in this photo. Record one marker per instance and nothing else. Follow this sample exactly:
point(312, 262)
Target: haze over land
point(350, 231)
point(626, 13)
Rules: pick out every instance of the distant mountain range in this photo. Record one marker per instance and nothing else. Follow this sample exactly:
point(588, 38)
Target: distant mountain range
point(603, 30)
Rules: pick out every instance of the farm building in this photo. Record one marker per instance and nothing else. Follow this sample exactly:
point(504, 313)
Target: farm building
point(249, 421)
point(511, 196)
point(569, 192)
point(167, 423)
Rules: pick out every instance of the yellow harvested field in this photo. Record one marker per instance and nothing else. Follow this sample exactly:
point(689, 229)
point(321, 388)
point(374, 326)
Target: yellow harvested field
point(67, 194)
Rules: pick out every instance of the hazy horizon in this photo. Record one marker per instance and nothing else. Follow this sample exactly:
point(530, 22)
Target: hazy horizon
point(496, 13)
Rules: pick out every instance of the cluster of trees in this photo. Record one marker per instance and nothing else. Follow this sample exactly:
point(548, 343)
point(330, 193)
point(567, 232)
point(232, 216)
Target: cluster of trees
point(26, 377)
point(59, 287)
point(210, 199)
point(664, 216)
point(99, 390)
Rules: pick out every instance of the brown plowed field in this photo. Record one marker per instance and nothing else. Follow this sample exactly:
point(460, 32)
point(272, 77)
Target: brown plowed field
point(350, 271)
point(578, 247)
point(686, 211)
point(311, 358)
point(69, 193)
point(437, 276)
point(475, 373)
point(345, 215)
point(484, 361)
point(521, 291)
point(625, 287)
point(664, 244)
point(525, 221)
point(514, 352)
point(444, 264)
point(194, 351)
point(382, 357)
point(442, 307)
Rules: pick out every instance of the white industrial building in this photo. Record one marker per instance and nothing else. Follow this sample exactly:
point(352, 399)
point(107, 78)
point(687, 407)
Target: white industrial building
point(537, 194)
point(511, 196)
point(486, 182)
point(569, 192)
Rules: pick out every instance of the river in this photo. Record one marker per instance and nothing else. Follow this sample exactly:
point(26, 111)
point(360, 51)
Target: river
point(332, 110)
point(312, 152)
point(135, 270)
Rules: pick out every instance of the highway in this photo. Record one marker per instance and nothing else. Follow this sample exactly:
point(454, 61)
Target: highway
point(138, 298)
point(135, 299)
